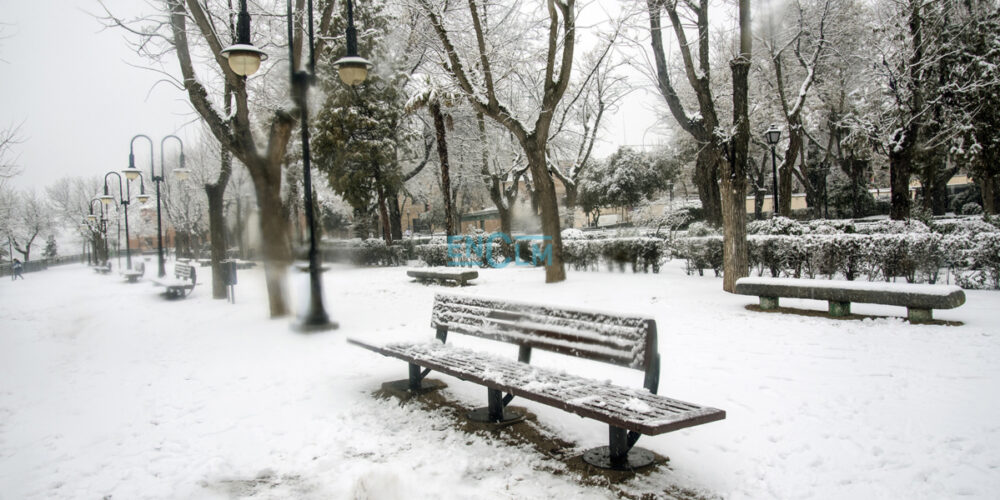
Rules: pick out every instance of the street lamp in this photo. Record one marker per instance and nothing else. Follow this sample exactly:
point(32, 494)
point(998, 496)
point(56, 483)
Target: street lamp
point(99, 226)
point(180, 172)
point(773, 135)
point(352, 70)
point(124, 196)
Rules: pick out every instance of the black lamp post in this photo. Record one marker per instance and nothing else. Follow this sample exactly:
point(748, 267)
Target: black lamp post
point(244, 60)
point(124, 198)
point(773, 135)
point(181, 173)
point(99, 226)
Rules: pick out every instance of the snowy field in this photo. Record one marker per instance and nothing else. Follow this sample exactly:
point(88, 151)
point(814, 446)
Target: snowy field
point(109, 391)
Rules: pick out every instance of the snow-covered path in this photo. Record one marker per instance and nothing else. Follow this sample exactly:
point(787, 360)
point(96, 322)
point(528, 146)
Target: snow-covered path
point(107, 390)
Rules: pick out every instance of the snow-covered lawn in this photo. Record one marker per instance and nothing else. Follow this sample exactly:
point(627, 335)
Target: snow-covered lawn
point(109, 391)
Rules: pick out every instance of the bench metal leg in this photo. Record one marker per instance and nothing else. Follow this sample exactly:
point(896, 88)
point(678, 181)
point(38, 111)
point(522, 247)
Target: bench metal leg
point(496, 412)
point(768, 303)
point(415, 384)
point(919, 315)
point(840, 308)
point(620, 453)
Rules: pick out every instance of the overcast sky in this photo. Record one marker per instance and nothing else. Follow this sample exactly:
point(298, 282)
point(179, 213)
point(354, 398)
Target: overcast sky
point(70, 82)
point(71, 85)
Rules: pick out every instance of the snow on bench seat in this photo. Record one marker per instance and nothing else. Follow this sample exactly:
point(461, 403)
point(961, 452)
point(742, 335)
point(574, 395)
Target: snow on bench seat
point(634, 409)
point(183, 281)
point(458, 275)
point(624, 340)
point(919, 299)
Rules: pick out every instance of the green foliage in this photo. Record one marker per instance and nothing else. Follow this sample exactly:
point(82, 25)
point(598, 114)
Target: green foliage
point(359, 132)
point(50, 251)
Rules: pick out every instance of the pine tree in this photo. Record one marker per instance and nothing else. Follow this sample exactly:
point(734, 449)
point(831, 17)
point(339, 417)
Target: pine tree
point(50, 248)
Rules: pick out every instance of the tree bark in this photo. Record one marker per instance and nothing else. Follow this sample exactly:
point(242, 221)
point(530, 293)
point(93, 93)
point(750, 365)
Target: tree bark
point(899, 181)
point(987, 187)
point(442, 149)
point(555, 271)
point(706, 178)
point(235, 133)
point(734, 172)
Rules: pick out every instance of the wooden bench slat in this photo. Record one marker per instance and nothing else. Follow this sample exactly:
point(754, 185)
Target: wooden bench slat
point(616, 339)
point(632, 409)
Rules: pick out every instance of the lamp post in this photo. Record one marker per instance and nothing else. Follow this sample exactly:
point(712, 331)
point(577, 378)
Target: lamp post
point(181, 173)
point(100, 227)
point(244, 60)
point(124, 197)
point(773, 135)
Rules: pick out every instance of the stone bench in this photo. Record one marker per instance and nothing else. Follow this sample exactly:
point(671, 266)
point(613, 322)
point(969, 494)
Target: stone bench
point(460, 276)
point(919, 300)
point(621, 340)
point(133, 275)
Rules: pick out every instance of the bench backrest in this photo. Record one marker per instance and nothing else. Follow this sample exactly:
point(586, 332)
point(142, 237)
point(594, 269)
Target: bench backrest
point(622, 340)
point(185, 271)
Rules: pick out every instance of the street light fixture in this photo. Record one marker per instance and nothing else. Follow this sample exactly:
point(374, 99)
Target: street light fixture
point(101, 227)
point(353, 70)
point(180, 172)
point(244, 58)
point(124, 196)
point(773, 135)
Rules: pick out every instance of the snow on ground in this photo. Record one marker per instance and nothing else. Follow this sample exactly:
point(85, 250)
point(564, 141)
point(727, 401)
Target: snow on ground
point(109, 391)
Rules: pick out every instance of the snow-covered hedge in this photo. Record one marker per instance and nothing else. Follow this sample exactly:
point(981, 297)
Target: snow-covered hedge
point(639, 253)
point(920, 257)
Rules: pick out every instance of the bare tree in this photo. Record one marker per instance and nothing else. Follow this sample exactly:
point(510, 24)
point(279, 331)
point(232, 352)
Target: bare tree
point(807, 42)
point(720, 171)
point(479, 83)
point(9, 137)
point(30, 216)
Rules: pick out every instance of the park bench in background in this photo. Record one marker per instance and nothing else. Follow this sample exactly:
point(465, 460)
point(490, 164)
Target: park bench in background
point(621, 340)
point(441, 275)
point(919, 300)
point(183, 281)
point(133, 275)
point(102, 268)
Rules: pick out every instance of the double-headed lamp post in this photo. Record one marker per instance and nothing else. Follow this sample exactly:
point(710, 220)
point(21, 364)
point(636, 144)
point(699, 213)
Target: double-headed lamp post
point(124, 196)
point(181, 174)
point(99, 226)
point(244, 60)
point(773, 135)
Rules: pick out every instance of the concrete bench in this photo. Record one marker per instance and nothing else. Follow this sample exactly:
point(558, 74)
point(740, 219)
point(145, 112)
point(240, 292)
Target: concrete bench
point(460, 276)
point(621, 340)
point(919, 300)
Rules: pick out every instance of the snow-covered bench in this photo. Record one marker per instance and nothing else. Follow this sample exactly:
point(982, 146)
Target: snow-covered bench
point(182, 282)
point(919, 300)
point(102, 268)
point(442, 274)
point(133, 275)
point(621, 340)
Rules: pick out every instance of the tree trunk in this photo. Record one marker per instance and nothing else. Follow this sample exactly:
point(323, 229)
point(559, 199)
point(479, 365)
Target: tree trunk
point(735, 263)
point(899, 182)
point(706, 178)
point(785, 170)
point(987, 187)
point(555, 271)
point(395, 217)
point(217, 230)
point(383, 216)
point(442, 148)
point(275, 246)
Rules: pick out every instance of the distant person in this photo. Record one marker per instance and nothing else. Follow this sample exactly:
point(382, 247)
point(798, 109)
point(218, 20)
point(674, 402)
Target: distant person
point(17, 269)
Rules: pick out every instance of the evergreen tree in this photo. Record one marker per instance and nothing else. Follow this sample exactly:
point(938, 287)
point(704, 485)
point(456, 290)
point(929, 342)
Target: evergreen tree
point(50, 248)
point(359, 131)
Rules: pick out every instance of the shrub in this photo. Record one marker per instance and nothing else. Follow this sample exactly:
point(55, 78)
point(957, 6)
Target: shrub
point(972, 209)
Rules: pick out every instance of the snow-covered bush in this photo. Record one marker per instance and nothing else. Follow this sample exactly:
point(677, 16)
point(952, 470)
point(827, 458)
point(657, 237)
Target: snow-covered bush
point(637, 252)
point(701, 252)
point(699, 229)
point(972, 209)
point(572, 234)
point(775, 225)
point(433, 254)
